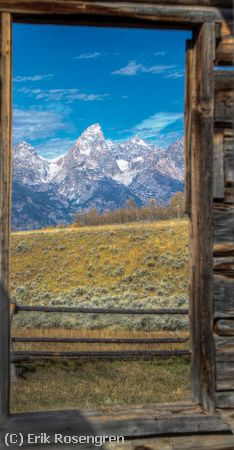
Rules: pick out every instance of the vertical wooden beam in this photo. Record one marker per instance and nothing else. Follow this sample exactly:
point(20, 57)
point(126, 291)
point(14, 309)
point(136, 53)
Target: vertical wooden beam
point(218, 168)
point(189, 95)
point(201, 239)
point(5, 199)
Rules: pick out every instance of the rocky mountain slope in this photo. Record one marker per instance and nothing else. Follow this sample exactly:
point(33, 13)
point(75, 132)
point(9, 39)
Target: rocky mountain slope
point(95, 172)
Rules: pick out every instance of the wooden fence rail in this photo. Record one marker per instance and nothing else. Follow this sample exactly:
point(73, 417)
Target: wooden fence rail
point(18, 356)
point(82, 310)
point(101, 340)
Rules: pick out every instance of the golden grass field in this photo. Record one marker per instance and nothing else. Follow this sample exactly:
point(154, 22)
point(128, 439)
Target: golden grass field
point(132, 265)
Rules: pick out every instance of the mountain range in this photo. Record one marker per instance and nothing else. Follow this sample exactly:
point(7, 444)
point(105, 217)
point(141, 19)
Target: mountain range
point(95, 172)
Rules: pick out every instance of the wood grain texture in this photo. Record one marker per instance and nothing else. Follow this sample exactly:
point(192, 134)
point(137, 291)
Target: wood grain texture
point(224, 349)
point(229, 195)
point(225, 52)
point(223, 249)
point(201, 239)
point(130, 424)
point(218, 165)
point(202, 442)
point(179, 13)
point(189, 96)
point(225, 376)
point(224, 265)
point(224, 98)
point(224, 399)
point(229, 160)
point(5, 201)
point(224, 327)
point(223, 215)
point(223, 296)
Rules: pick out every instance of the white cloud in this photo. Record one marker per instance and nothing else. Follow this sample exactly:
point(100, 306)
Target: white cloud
point(20, 79)
point(160, 53)
point(65, 95)
point(88, 55)
point(134, 68)
point(30, 124)
point(178, 74)
point(153, 125)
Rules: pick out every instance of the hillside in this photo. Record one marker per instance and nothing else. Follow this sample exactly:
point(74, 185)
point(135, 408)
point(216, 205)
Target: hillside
point(114, 265)
point(94, 172)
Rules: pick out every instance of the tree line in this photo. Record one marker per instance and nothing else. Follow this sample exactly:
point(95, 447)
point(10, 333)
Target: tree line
point(133, 213)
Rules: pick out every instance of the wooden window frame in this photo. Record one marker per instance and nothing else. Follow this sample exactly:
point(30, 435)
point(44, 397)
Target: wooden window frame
point(199, 115)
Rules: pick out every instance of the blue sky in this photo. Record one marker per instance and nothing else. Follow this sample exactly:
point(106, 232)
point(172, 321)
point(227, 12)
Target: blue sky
point(67, 78)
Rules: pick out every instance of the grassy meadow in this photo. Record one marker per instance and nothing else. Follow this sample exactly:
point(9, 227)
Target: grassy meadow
point(131, 265)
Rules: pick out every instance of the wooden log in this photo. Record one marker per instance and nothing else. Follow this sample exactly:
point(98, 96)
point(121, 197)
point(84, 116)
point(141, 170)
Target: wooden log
point(224, 399)
point(121, 354)
point(201, 284)
point(84, 310)
point(218, 165)
point(225, 376)
point(229, 195)
point(223, 296)
point(5, 196)
point(224, 108)
point(101, 340)
point(223, 250)
point(223, 215)
point(224, 98)
point(229, 160)
point(224, 327)
point(34, 11)
point(224, 265)
point(225, 52)
point(224, 349)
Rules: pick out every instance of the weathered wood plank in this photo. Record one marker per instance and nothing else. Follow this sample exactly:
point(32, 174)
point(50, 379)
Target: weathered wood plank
point(224, 327)
point(218, 165)
point(223, 296)
point(34, 10)
point(72, 422)
point(223, 249)
point(224, 348)
point(224, 265)
point(224, 108)
point(5, 195)
point(201, 285)
point(229, 195)
point(224, 399)
point(225, 376)
point(229, 160)
point(189, 96)
point(203, 442)
point(225, 52)
point(223, 223)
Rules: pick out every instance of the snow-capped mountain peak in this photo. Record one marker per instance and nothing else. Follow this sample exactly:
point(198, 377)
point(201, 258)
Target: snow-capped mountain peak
point(95, 172)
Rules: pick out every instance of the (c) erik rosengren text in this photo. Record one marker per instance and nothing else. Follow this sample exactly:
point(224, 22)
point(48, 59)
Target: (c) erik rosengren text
point(19, 439)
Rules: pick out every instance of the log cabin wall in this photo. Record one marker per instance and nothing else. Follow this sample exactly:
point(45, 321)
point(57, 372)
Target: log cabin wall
point(223, 218)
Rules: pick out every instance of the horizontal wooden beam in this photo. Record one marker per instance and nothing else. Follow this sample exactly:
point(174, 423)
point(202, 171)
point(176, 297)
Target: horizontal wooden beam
point(223, 223)
point(224, 327)
point(225, 52)
point(172, 12)
point(224, 349)
point(224, 399)
point(225, 376)
point(223, 297)
point(128, 422)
